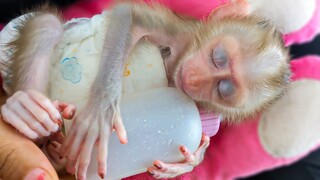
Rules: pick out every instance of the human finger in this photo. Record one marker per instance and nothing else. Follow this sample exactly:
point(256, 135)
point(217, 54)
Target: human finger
point(13, 119)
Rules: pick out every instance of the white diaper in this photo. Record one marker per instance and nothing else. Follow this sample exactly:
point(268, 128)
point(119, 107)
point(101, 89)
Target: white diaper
point(76, 60)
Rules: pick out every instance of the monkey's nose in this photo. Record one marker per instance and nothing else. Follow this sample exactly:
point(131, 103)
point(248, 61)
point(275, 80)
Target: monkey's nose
point(195, 81)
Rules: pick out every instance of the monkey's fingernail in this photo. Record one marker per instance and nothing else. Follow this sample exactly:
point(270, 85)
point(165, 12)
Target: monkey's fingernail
point(158, 166)
point(54, 144)
point(71, 113)
point(183, 149)
point(59, 123)
point(125, 139)
point(101, 175)
point(151, 173)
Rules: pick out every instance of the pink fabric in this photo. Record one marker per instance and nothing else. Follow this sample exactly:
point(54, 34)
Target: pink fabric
point(199, 9)
point(307, 67)
point(196, 8)
point(308, 32)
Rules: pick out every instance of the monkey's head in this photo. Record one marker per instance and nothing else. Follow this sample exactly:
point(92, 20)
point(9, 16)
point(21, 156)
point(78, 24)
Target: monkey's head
point(237, 66)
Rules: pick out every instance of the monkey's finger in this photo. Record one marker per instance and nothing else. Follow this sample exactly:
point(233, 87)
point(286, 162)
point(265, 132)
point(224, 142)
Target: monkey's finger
point(46, 104)
point(58, 136)
point(104, 136)
point(85, 155)
point(53, 151)
point(29, 119)
point(74, 152)
point(190, 158)
point(205, 142)
point(68, 110)
point(11, 118)
point(55, 147)
point(169, 170)
point(120, 129)
point(67, 142)
point(41, 115)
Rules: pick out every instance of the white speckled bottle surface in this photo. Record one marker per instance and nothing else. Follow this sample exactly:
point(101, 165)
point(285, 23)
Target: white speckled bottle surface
point(158, 119)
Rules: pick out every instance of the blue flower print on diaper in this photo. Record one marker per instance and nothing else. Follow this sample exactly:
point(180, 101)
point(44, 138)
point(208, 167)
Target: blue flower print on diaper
point(71, 70)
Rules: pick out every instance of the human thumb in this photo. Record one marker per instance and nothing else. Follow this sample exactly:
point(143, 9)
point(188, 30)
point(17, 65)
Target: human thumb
point(20, 158)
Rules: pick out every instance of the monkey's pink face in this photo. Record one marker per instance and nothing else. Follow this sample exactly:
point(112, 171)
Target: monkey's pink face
point(214, 73)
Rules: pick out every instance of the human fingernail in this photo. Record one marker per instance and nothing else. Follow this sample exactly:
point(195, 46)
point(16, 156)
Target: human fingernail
point(158, 166)
point(150, 172)
point(36, 174)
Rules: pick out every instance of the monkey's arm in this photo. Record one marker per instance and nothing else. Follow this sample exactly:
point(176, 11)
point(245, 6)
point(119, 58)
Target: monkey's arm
point(101, 114)
point(128, 25)
point(28, 110)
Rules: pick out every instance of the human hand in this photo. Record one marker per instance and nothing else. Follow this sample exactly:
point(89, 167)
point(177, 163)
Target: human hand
point(32, 114)
point(20, 158)
point(170, 170)
point(93, 125)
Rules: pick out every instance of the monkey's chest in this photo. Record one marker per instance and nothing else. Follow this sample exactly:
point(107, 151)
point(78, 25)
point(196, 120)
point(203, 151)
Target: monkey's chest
point(76, 62)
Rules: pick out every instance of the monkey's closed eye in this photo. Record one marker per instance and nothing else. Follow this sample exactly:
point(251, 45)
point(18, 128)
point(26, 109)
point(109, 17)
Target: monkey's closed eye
point(219, 56)
point(226, 89)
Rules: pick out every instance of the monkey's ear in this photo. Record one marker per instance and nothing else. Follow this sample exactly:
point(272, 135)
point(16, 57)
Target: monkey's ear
point(271, 62)
point(233, 8)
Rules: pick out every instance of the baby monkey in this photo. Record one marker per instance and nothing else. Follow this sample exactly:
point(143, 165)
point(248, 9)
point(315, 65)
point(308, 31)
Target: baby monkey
point(233, 63)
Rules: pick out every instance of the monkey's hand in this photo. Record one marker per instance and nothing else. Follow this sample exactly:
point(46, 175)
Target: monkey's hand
point(94, 125)
point(31, 113)
point(164, 170)
point(51, 148)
